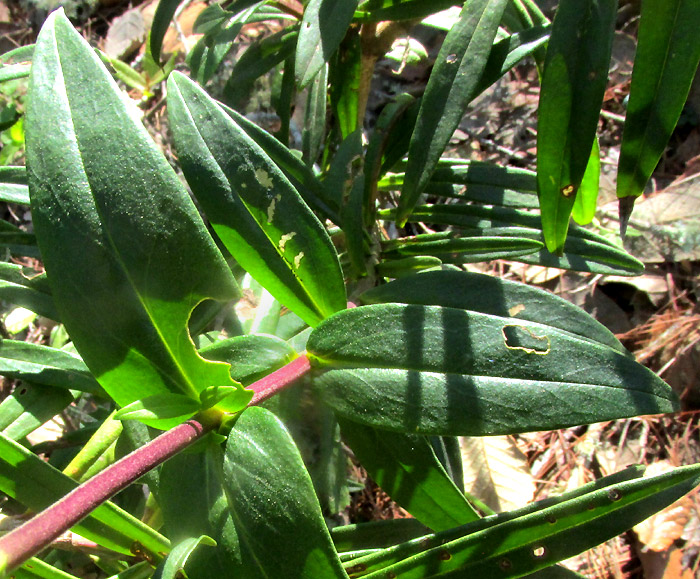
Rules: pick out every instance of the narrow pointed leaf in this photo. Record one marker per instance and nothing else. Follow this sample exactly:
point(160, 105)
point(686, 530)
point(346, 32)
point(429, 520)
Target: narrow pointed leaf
point(29, 406)
point(161, 22)
point(13, 185)
point(34, 483)
point(451, 87)
point(584, 207)
point(273, 503)
point(160, 407)
point(313, 133)
point(573, 85)
point(45, 365)
point(29, 291)
point(539, 539)
point(323, 27)
point(406, 467)
point(434, 370)
point(667, 58)
point(175, 563)
point(492, 295)
point(376, 10)
point(140, 272)
point(37, 569)
point(254, 209)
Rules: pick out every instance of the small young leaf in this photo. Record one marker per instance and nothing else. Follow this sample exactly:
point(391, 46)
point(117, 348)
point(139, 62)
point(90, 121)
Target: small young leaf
point(173, 567)
point(160, 407)
point(573, 85)
point(254, 209)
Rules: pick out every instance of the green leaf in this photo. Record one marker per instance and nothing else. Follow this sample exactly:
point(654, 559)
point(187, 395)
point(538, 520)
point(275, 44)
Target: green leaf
point(584, 250)
point(376, 534)
point(378, 10)
point(495, 296)
point(92, 453)
point(539, 536)
point(573, 85)
point(18, 55)
point(313, 133)
point(397, 268)
point(451, 87)
point(29, 291)
point(44, 365)
point(174, 565)
point(161, 22)
point(584, 207)
point(160, 407)
point(257, 60)
point(140, 272)
point(37, 569)
point(34, 483)
point(251, 357)
point(18, 241)
point(323, 28)
point(29, 406)
point(406, 467)
point(254, 209)
point(13, 185)
point(14, 71)
point(448, 371)
point(666, 61)
point(272, 501)
point(345, 77)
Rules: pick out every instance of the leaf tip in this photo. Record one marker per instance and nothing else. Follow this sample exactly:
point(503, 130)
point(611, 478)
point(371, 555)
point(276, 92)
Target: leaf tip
point(626, 205)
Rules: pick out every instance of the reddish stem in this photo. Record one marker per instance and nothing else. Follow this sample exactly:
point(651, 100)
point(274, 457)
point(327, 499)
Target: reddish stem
point(30, 538)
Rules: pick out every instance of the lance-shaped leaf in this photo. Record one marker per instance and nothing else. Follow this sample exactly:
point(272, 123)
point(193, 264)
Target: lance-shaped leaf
point(573, 85)
point(323, 27)
point(127, 255)
point(173, 567)
point(452, 85)
point(37, 569)
point(34, 483)
point(448, 371)
point(13, 185)
point(584, 207)
point(273, 503)
point(406, 467)
point(376, 10)
point(161, 22)
point(253, 207)
point(495, 296)
point(667, 57)
point(512, 546)
point(29, 291)
point(29, 406)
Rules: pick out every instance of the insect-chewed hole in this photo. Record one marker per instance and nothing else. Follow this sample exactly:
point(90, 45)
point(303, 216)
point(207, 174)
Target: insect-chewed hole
point(539, 552)
point(614, 495)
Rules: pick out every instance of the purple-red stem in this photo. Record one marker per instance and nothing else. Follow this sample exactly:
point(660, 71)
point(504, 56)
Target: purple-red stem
point(30, 538)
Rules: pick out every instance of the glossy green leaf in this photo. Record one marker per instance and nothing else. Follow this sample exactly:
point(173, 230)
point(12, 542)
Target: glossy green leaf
point(34, 483)
point(537, 538)
point(37, 569)
point(13, 185)
point(666, 62)
point(495, 296)
point(161, 22)
point(406, 467)
point(573, 84)
point(584, 250)
point(345, 79)
point(192, 497)
point(451, 87)
point(463, 248)
point(45, 365)
point(377, 10)
point(323, 28)
point(26, 290)
point(174, 565)
point(257, 60)
point(254, 209)
point(273, 503)
point(141, 272)
point(251, 357)
point(584, 207)
point(313, 133)
point(448, 371)
point(168, 406)
point(303, 178)
point(376, 534)
point(29, 406)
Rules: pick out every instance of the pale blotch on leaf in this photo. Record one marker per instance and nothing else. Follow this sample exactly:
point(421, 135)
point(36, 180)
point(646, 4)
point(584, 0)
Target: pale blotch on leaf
point(297, 259)
point(285, 238)
point(271, 208)
point(451, 58)
point(568, 191)
point(515, 310)
point(522, 338)
point(263, 178)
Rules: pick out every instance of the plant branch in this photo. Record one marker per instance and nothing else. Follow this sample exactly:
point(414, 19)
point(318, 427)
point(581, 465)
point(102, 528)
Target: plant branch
point(33, 536)
point(279, 379)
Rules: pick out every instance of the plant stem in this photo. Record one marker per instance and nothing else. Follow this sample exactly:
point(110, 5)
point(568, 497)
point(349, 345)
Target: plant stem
point(36, 534)
point(29, 539)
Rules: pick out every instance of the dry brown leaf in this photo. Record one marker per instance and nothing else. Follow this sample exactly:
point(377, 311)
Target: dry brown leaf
point(659, 531)
point(496, 472)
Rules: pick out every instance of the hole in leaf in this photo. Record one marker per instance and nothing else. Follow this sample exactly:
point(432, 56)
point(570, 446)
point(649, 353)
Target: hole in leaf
point(451, 58)
point(445, 556)
point(522, 338)
point(614, 495)
point(539, 552)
